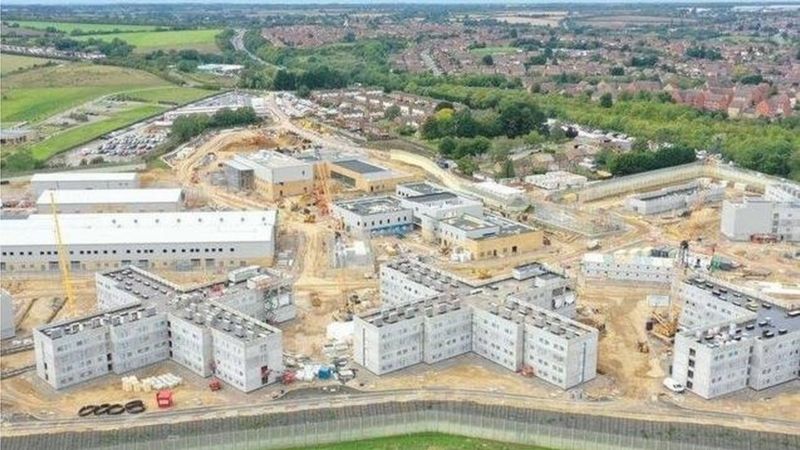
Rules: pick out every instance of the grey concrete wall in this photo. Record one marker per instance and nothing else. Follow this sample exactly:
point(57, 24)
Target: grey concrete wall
point(671, 175)
point(565, 431)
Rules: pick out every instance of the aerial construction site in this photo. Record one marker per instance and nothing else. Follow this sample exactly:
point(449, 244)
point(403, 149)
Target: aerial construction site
point(287, 260)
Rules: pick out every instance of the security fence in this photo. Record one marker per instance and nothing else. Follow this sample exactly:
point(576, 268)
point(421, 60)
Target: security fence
point(532, 426)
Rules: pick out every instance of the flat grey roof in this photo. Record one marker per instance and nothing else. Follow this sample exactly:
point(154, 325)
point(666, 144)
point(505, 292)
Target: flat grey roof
point(765, 310)
point(359, 166)
point(424, 187)
point(432, 197)
point(372, 205)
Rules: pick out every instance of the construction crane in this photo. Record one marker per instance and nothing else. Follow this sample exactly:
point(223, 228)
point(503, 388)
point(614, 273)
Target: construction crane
point(63, 255)
point(322, 190)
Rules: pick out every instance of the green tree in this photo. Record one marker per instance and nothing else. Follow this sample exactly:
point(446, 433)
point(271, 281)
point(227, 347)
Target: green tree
point(467, 165)
point(284, 81)
point(617, 71)
point(606, 101)
point(447, 146)
point(392, 112)
point(507, 169)
point(518, 117)
point(487, 60)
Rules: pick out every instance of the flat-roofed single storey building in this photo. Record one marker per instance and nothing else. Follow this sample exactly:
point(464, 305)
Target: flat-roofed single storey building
point(366, 176)
point(83, 180)
point(110, 201)
point(148, 240)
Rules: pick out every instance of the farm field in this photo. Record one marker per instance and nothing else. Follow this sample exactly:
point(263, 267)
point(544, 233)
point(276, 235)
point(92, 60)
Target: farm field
point(424, 441)
point(11, 63)
point(68, 27)
point(201, 40)
point(38, 94)
point(59, 142)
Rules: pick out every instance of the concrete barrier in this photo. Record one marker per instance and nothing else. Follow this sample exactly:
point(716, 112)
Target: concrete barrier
point(308, 428)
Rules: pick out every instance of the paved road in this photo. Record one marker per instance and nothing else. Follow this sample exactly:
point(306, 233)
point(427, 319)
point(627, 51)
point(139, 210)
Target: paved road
point(238, 44)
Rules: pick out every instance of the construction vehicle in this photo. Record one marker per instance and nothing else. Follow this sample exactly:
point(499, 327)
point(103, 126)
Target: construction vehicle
point(665, 325)
point(63, 256)
point(482, 274)
point(215, 385)
point(527, 371)
point(288, 377)
point(322, 193)
point(763, 238)
point(164, 398)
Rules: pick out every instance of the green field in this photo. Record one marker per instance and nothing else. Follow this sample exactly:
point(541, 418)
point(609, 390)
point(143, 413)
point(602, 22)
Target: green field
point(41, 93)
point(11, 63)
point(169, 95)
point(38, 94)
point(73, 137)
point(493, 50)
point(424, 441)
point(68, 27)
point(202, 40)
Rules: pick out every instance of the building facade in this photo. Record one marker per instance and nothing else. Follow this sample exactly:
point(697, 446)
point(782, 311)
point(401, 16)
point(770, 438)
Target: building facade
point(148, 240)
point(145, 319)
point(275, 175)
point(373, 215)
point(110, 201)
point(731, 339)
point(8, 328)
point(41, 182)
point(640, 266)
point(521, 321)
point(775, 214)
point(675, 198)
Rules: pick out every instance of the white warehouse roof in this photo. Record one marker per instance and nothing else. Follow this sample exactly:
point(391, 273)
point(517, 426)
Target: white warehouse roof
point(84, 176)
point(140, 228)
point(110, 196)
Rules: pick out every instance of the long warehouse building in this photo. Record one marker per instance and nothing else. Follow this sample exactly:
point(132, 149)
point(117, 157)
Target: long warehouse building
point(83, 180)
point(74, 201)
point(149, 240)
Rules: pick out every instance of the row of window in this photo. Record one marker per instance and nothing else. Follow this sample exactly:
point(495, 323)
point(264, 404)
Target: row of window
point(128, 252)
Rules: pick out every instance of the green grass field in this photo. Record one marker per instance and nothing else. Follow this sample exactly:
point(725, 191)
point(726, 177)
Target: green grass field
point(424, 441)
point(203, 40)
point(493, 51)
point(68, 27)
point(73, 137)
point(169, 95)
point(11, 63)
point(41, 93)
point(38, 94)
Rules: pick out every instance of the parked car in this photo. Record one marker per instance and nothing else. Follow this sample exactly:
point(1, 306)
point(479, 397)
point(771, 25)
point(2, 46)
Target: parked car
point(673, 385)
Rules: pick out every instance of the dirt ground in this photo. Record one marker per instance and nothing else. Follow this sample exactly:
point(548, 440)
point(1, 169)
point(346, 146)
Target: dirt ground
point(626, 376)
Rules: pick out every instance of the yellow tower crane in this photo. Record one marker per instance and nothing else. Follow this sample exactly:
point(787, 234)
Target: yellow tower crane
point(63, 256)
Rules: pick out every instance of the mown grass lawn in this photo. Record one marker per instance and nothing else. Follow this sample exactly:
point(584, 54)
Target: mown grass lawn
point(202, 40)
point(68, 27)
point(423, 441)
point(76, 136)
